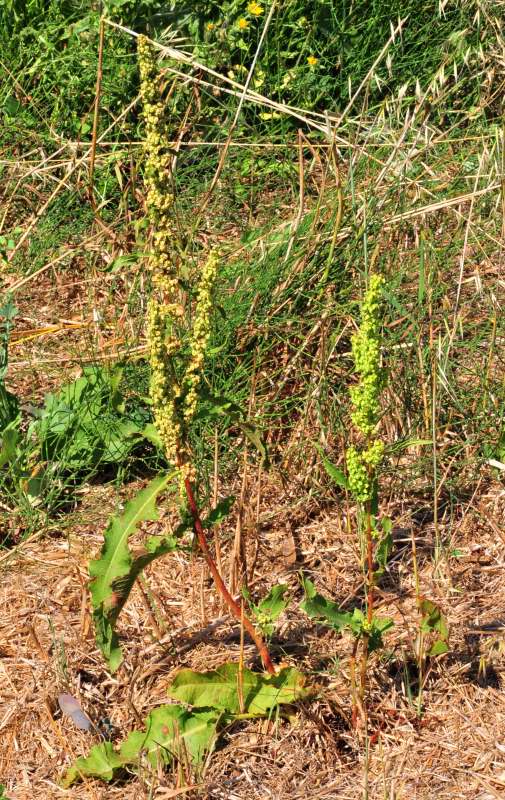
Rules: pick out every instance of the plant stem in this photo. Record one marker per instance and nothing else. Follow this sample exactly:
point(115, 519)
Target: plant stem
point(420, 641)
point(220, 585)
point(352, 670)
point(369, 597)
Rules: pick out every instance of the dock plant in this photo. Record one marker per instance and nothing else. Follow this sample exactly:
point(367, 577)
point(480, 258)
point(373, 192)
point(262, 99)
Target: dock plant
point(176, 356)
point(363, 458)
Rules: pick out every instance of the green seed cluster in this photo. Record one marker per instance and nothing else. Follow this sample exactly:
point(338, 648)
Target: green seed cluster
point(200, 336)
point(366, 354)
point(362, 463)
point(174, 402)
point(163, 308)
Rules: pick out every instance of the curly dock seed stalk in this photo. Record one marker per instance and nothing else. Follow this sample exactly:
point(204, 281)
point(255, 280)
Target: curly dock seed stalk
point(363, 461)
point(163, 308)
point(174, 403)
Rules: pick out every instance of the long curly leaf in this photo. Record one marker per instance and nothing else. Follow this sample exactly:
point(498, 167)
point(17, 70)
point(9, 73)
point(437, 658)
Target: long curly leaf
point(115, 571)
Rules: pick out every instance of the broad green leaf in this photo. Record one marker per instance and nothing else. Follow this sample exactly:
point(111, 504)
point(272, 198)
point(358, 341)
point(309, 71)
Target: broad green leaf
point(318, 607)
point(220, 689)
point(434, 621)
point(115, 571)
point(150, 432)
point(103, 762)
point(379, 626)
point(274, 603)
point(171, 732)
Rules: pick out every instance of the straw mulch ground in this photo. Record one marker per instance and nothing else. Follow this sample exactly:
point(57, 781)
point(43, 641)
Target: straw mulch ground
point(455, 750)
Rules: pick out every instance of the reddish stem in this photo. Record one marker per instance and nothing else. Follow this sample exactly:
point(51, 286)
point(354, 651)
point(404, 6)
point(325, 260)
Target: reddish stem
point(221, 587)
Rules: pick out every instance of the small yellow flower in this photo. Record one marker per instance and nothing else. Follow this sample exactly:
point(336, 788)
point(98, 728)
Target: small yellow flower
point(242, 24)
point(211, 26)
point(255, 9)
point(312, 61)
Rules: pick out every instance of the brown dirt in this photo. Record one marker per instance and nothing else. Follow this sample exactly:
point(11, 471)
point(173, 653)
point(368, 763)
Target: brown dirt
point(454, 750)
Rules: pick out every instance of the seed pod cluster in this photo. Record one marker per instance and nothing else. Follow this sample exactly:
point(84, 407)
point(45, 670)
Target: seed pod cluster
point(363, 461)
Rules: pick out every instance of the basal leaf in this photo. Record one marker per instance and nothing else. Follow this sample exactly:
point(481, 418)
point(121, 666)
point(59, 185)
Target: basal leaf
point(103, 762)
point(115, 571)
point(269, 609)
point(171, 732)
point(220, 689)
point(432, 619)
point(9, 407)
point(8, 446)
point(379, 626)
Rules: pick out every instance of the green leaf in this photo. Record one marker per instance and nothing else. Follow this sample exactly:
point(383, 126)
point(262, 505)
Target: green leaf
point(9, 408)
point(385, 546)
point(274, 604)
point(12, 106)
point(219, 513)
point(337, 475)
point(267, 612)
point(220, 689)
point(103, 762)
point(318, 607)
point(171, 732)
point(150, 432)
point(8, 449)
point(432, 619)
point(379, 626)
point(438, 648)
point(115, 571)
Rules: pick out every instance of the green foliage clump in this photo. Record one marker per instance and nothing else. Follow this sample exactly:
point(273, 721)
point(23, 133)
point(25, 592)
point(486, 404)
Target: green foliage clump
point(174, 733)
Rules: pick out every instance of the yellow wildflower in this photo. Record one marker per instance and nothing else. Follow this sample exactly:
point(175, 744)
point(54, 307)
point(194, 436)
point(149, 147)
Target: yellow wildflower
point(211, 26)
point(242, 24)
point(312, 61)
point(255, 9)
